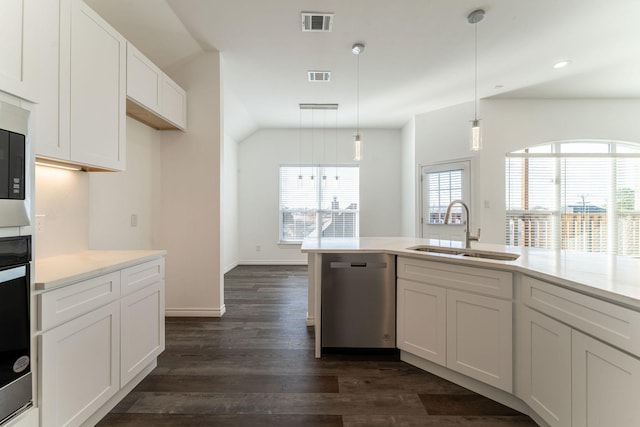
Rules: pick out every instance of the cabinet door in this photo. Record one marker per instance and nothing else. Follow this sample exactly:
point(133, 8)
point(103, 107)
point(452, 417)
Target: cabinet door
point(479, 338)
point(606, 384)
point(174, 102)
point(79, 366)
point(142, 329)
point(19, 48)
point(144, 80)
point(47, 141)
point(422, 320)
point(93, 88)
point(545, 375)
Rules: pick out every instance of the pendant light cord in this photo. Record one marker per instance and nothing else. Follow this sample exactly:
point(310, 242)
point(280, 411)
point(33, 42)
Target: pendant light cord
point(475, 81)
point(358, 94)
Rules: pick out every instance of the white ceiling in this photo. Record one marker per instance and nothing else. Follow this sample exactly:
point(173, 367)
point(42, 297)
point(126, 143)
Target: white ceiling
point(419, 53)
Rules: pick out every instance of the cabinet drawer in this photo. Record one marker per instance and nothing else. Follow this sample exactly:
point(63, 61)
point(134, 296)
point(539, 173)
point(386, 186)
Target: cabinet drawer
point(141, 275)
point(473, 279)
point(611, 323)
point(63, 304)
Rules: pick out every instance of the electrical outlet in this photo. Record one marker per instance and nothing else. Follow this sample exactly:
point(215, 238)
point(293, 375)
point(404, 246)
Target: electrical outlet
point(41, 223)
point(134, 220)
point(258, 248)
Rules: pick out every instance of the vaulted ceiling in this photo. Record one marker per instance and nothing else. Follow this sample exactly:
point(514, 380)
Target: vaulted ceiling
point(419, 53)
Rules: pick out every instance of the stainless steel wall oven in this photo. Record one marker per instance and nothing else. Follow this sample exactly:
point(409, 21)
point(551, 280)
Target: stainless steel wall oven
point(15, 330)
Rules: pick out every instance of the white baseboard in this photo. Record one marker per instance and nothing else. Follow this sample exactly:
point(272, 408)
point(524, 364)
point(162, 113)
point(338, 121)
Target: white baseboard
point(311, 321)
point(229, 267)
point(272, 262)
point(195, 312)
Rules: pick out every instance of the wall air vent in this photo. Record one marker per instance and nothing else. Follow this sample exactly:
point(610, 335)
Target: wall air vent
point(319, 76)
point(317, 21)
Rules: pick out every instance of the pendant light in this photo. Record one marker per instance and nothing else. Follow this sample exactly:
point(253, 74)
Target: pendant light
point(357, 49)
point(476, 138)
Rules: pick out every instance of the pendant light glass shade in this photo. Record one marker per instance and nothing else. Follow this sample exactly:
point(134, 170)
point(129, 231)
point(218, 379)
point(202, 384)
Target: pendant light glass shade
point(476, 138)
point(357, 147)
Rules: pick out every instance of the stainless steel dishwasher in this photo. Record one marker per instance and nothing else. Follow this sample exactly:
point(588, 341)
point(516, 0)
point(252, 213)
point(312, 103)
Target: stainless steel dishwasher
point(358, 301)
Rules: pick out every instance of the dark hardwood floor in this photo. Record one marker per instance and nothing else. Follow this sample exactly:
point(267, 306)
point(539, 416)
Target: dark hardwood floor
point(255, 366)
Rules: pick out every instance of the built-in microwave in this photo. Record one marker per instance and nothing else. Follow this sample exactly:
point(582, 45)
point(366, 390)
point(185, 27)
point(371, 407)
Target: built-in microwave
point(14, 197)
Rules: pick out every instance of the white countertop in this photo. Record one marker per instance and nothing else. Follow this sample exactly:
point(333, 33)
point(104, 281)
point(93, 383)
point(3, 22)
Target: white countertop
point(66, 269)
point(610, 277)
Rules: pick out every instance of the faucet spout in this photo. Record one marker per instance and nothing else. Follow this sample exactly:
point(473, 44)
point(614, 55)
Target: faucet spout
point(467, 235)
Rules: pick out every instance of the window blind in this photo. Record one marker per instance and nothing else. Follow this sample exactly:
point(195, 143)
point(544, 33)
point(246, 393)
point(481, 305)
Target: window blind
point(579, 196)
point(444, 187)
point(319, 201)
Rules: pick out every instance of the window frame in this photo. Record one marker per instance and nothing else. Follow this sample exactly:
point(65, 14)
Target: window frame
point(318, 210)
point(604, 239)
point(466, 193)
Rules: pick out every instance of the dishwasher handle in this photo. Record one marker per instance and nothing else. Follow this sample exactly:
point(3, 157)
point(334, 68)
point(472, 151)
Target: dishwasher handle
point(335, 264)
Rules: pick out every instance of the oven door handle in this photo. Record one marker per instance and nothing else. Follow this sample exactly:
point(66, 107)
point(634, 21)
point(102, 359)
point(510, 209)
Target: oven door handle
point(12, 273)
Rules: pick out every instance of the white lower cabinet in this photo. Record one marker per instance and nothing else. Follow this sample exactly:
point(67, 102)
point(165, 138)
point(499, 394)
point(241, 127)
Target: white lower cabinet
point(479, 338)
point(142, 337)
point(97, 336)
point(439, 321)
point(421, 317)
point(545, 376)
point(80, 366)
point(577, 359)
point(606, 384)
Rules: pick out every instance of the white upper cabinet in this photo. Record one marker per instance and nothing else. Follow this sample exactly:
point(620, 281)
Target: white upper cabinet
point(19, 48)
point(174, 102)
point(152, 97)
point(144, 80)
point(92, 100)
point(88, 103)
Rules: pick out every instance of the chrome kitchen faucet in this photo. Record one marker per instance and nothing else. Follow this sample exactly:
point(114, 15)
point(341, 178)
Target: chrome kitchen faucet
point(467, 235)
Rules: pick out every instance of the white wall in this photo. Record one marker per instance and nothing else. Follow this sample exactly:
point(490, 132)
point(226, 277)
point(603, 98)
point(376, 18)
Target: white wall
point(408, 187)
point(93, 210)
point(230, 244)
point(63, 197)
point(114, 197)
point(259, 158)
point(189, 217)
point(511, 124)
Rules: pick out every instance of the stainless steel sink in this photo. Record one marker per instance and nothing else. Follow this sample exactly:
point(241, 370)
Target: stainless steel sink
point(499, 256)
point(473, 253)
point(437, 250)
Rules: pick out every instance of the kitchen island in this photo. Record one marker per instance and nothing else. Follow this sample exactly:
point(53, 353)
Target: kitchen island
point(551, 333)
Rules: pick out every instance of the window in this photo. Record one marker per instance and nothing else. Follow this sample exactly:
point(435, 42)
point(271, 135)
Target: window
point(320, 201)
point(575, 195)
point(444, 187)
point(441, 184)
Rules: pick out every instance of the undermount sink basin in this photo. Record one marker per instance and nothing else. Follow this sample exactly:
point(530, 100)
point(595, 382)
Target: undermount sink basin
point(437, 250)
point(473, 253)
point(500, 256)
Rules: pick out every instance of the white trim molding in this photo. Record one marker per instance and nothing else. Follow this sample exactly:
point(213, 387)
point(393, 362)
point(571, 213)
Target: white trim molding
point(195, 312)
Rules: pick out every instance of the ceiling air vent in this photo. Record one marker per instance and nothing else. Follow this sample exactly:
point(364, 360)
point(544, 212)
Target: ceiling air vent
point(317, 21)
point(319, 76)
